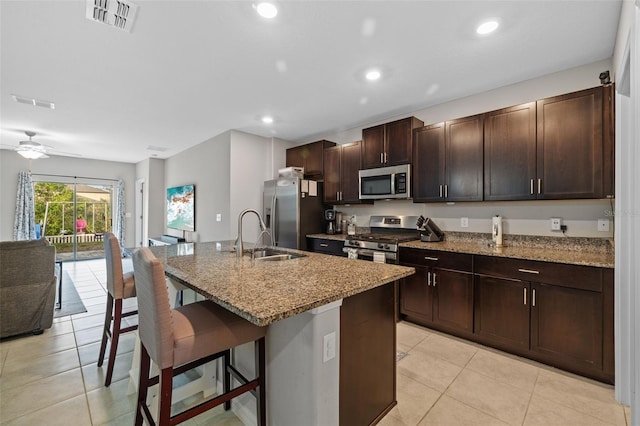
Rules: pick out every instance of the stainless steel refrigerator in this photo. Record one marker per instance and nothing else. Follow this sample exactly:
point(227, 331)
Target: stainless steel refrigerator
point(291, 211)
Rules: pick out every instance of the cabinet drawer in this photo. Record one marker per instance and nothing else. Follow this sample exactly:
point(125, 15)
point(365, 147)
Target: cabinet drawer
point(435, 258)
point(572, 276)
point(320, 245)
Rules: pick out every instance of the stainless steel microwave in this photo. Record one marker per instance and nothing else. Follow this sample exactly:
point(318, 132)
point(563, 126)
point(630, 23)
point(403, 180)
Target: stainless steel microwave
point(385, 182)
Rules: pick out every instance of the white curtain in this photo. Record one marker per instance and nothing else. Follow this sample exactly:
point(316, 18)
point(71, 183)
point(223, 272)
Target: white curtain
point(24, 225)
point(118, 213)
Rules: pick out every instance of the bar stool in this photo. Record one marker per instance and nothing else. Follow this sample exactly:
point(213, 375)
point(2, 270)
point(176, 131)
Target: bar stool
point(180, 339)
point(120, 286)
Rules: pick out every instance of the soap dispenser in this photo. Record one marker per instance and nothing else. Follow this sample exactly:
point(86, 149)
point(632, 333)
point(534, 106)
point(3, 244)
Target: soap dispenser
point(496, 233)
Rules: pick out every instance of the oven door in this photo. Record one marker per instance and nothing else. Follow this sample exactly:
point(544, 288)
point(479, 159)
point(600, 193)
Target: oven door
point(366, 254)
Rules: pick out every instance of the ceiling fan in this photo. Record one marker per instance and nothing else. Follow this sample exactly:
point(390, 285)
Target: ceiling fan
point(34, 150)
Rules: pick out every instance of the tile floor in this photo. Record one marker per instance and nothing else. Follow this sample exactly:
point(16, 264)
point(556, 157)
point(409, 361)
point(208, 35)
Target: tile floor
point(53, 379)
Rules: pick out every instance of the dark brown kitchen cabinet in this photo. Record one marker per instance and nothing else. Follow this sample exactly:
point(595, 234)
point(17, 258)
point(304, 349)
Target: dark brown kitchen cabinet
point(309, 156)
point(440, 293)
point(326, 246)
point(448, 161)
point(388, 144)
point(609, 141)
point(341, 166)
point(510, 153)
point(570, 145)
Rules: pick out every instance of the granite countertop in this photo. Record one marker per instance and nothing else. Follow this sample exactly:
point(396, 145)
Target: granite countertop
point(596, 252)
point(266, 291)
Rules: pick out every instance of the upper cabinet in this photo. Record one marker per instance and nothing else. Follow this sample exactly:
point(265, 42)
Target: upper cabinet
point(510, 153)
point(341, 166)
point(388, 144)
point(570, 145)
point(447, 161)
point(309, 156)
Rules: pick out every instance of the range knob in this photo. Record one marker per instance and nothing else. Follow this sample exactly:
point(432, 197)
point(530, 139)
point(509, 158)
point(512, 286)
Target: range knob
point(380, 245)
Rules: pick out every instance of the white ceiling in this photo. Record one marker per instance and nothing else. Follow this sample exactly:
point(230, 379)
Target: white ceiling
point(190, 70)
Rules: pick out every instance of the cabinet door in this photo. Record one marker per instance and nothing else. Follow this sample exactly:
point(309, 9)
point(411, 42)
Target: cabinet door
point(313, 158)
point(502, 312)
point(349, 172)
point(398, 142)
point(295, 156)
point(373, 147)
point(510, 153)
point(428, 163)
point(464, 154)
point(416, 295)
point(570, 145)
point(332, 172)
point(453, 301)
point(567, 326)
point(321, 245)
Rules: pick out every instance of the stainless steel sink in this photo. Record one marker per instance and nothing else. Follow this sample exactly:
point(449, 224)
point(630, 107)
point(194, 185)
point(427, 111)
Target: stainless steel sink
point(274, 254)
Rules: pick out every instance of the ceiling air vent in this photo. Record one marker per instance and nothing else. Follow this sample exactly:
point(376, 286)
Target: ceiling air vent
point(34, 102)
point(116, 13)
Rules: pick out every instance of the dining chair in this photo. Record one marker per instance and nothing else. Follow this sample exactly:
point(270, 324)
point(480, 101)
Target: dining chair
point(120, 286)
point(180, 339)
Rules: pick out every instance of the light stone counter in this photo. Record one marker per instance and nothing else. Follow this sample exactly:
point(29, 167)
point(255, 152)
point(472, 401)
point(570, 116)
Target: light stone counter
point(267, 291)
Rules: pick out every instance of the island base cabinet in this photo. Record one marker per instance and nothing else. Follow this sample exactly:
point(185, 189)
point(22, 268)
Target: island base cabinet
point(502, 312)
point(367, 356)
point(566, 326)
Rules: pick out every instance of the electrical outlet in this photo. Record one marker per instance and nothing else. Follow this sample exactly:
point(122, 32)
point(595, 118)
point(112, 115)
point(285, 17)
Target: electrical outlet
point(555, 223)
point(464, 222)
point(329, 347)
point(603, 225)
point(218, 217)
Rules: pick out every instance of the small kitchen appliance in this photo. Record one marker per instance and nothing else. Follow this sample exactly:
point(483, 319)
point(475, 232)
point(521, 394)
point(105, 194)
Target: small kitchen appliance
point(330, 219)
point(383, 239)
point(385, 182)
point(496, 230)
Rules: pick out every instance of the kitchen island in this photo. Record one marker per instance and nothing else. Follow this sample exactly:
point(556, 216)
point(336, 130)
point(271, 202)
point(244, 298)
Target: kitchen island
point(308, 303)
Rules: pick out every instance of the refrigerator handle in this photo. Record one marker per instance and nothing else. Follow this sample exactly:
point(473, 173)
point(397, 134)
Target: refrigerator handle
point(274, 221)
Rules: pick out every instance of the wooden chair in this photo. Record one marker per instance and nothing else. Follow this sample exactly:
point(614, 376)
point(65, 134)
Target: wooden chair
point(180, 339)
point(120, 286)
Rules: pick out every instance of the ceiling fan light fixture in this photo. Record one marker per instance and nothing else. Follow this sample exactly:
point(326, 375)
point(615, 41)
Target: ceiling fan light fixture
point(487, 27)
point(31, 154)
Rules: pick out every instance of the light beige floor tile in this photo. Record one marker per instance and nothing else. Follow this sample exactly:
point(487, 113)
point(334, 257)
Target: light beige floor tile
point(37, 346)
point(71, 412)
point(450, 412)
point(414, 400)
point(88, 322)
point(19, 371)
point(97, 309)
point(94, 376)
point(390, 420)
point(125, 419)
point(61, 327)
point(89, 335)
point(505, 369)
point(89, 353)
point(542, 412)
point(107, 404)
point(428, 370)
point(627, 414)
point(490, 396)
point(409, 335)
point(21, 400)
point(4, 351)
point(101, 300)
point(447, 348)
point(582, 395)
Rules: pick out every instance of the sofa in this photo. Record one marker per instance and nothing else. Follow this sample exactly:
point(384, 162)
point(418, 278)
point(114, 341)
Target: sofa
point(27, 286)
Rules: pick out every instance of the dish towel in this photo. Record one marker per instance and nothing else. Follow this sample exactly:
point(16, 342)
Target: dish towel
point(378, 257)
point(352, 253)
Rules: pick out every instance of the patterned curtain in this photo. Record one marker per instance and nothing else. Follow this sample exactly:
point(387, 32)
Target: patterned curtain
point(118, 214)
point(24, 225)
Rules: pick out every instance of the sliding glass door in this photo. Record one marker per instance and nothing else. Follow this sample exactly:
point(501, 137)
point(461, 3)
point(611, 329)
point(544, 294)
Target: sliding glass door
point(74, 217)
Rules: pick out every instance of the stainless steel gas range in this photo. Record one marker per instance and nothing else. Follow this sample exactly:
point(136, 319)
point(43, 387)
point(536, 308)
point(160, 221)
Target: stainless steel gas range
point(383, 239)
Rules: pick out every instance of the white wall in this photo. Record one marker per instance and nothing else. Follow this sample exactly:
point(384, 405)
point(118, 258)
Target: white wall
point(11, 163)
point(151, 171)
point(520, 217)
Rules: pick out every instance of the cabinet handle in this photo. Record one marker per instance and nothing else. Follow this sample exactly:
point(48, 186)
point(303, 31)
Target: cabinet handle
point(539, 185)
point(440, 191)
point(340, 192)
point(446, 191)
point(531, 186)
point(533, 297)
point(381, 158)
point(324, 245)
point(434, 279)
point(525, 295)
point(431, 258)
point(385, 158)
point(529, 271)
point(429, 279)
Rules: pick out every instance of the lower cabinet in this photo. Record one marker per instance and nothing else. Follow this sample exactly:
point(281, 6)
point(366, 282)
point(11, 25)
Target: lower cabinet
point(326, 246)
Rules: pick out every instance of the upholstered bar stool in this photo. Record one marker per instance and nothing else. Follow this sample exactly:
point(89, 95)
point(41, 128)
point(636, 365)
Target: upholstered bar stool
point(180, 339)
point(120, 286)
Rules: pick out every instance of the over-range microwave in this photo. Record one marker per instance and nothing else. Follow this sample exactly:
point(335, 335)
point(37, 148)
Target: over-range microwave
point(385, 182)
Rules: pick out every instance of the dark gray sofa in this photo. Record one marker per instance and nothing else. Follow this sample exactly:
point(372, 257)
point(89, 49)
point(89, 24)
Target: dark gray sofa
point(27, 286)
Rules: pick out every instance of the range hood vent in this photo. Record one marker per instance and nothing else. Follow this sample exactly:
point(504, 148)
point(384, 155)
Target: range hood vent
point(116, 13)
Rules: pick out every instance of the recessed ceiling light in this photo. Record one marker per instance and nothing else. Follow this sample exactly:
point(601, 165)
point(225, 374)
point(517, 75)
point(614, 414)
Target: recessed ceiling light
point(267, 10)
point(487, 27)
point(267, 120)
point(373, 75)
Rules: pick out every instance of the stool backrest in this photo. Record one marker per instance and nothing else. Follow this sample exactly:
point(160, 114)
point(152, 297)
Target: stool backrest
point(155, 322)
point(113, 257)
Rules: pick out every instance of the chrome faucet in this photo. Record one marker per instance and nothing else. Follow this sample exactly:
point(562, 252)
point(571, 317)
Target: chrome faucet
point(238, 244)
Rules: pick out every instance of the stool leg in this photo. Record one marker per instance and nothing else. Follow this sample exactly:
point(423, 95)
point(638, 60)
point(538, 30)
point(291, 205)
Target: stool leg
point(115, 336)
point(143, 384)
point(166, 388)
point(227, 377)
point(260, 368)
point(106, 333)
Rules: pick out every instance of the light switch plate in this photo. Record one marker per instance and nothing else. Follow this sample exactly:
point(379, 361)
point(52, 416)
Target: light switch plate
point(218, 217)
point(329, 347)
point(603, 225)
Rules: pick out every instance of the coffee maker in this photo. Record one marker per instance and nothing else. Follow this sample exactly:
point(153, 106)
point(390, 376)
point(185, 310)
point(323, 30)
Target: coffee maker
point(330, 219)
